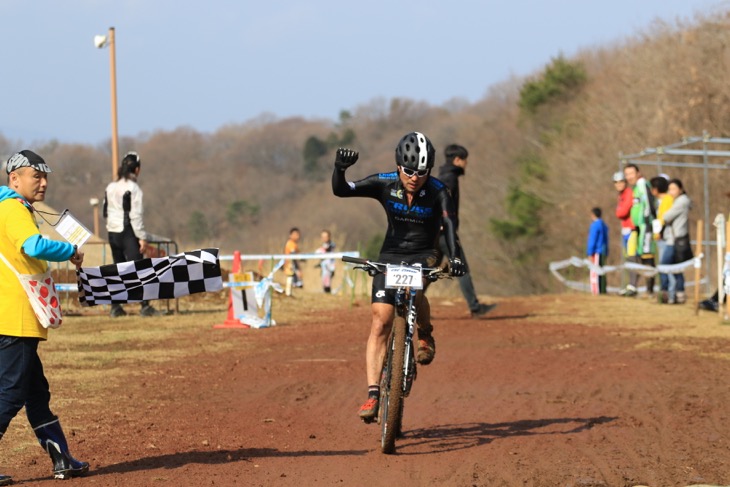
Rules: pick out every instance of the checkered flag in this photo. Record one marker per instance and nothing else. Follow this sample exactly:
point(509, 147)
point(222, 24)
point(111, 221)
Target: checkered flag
point(169, 277)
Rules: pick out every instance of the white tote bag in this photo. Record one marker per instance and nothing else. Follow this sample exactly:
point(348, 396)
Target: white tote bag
point(42, 294)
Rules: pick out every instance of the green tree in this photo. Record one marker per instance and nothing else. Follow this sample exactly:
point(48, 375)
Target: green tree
point(347, 138)
point(524, 210)
point(198, 229)
point(520, 234)
point(242, 212)
point(372, 246)
point(560, 79)
point(345, 116)
point(314, 148)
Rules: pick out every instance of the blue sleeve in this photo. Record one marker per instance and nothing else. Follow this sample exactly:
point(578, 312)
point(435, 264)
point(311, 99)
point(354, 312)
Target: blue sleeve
point(43, 248)
point(592, 239)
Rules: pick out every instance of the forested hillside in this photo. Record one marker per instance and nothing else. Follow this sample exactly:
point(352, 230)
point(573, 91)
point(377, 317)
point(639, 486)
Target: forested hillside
point(542, 151)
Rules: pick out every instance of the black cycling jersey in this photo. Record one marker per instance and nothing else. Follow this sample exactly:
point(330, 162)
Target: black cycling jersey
point(412, 229)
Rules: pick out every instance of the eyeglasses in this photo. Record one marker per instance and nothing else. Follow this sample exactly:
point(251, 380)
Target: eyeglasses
point(412, 172)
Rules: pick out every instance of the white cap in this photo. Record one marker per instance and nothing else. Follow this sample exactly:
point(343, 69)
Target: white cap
point(618, 176)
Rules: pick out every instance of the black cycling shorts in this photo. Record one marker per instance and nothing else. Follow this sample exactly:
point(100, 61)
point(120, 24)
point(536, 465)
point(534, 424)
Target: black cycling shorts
point(382, 295)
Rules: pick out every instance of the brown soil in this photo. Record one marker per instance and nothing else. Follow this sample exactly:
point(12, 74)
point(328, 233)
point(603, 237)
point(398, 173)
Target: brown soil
point(564, 390)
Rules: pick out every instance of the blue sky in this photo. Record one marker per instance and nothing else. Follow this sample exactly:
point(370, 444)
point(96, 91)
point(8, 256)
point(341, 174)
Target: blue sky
point(208, 64)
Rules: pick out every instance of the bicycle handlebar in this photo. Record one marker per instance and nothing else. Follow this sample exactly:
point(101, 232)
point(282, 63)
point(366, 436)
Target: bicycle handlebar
point(431, 273)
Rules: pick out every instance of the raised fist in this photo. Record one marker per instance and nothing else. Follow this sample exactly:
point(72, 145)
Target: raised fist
point(345, 158)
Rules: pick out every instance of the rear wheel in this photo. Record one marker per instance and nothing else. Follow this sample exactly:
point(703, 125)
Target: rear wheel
point(392, 394)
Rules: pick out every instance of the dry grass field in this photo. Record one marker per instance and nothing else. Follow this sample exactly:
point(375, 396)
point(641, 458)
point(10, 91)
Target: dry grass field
point(563, 389)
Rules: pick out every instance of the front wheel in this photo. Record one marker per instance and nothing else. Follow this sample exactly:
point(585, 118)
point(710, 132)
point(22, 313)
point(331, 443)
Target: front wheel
point(392, 393)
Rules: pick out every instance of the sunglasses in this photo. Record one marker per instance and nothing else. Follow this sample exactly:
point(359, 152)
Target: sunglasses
point(412, 172)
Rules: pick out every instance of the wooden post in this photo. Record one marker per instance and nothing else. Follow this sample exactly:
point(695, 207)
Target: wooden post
point(698, 251)
point(96, 219)
point(720, 260)
point(726, 306)
point(113, 77)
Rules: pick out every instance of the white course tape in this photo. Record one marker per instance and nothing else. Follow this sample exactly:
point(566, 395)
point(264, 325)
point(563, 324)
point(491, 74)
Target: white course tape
point(72, 288)
point(644, 270)
point(330, 255)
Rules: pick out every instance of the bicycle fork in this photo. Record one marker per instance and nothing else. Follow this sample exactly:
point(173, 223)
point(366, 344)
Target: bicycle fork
point(409, 362)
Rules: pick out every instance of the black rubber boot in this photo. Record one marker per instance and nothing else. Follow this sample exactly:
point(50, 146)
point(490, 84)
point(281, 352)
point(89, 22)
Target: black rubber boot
point(117, 311)
point(5, 479)
point(52, 439)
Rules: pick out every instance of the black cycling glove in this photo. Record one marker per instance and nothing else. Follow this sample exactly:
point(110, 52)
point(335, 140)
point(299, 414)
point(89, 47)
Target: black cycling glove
point(456, 267)
point(345, 158)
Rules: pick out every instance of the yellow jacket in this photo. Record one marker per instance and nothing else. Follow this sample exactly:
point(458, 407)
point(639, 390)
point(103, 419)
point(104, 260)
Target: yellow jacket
point(16, 314)
point(665, 202)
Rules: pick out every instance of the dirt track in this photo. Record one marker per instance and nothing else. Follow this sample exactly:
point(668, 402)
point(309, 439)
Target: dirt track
point(547, 391)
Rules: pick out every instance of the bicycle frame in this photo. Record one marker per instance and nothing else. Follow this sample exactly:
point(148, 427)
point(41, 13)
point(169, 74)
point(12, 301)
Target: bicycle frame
point(399, 364)
point(405, 304)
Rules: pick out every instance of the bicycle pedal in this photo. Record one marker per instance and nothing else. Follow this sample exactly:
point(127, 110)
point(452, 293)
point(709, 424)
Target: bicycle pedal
point(369, 420)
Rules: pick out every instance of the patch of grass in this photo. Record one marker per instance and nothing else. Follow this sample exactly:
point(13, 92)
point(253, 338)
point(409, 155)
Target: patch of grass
point(663, 326)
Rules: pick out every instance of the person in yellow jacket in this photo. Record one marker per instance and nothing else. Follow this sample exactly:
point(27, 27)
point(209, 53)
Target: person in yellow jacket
point(22, 381)
point(664, 200)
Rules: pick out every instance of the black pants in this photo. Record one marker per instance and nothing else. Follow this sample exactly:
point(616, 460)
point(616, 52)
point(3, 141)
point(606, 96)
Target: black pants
point(22, 382)
point(125, 247)
point(465, 283)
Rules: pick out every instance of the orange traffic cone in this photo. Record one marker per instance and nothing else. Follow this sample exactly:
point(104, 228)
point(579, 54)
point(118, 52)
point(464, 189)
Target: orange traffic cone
point(232, 321)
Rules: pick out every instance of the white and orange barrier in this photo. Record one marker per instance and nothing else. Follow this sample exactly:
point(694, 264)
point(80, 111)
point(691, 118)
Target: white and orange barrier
point(249, 304)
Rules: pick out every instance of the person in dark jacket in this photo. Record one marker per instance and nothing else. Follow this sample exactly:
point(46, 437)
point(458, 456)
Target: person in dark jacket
point(449, 173)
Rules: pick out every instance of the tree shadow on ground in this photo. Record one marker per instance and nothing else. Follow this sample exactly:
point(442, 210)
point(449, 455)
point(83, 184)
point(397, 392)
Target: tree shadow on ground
point(487, 317)
point(497, 317)
point(450, 437)
point(177, 460)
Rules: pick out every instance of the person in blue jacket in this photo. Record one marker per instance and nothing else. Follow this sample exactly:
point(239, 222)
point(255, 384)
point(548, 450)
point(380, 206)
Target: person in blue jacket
point(597, 250)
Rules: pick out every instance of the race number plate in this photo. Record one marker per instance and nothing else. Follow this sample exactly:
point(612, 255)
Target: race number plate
point(403, 276)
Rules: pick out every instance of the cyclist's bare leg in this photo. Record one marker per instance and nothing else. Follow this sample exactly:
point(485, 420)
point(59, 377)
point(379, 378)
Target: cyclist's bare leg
point(382, 320)
point(426, 343)
point(423, 319)
point(374, 355)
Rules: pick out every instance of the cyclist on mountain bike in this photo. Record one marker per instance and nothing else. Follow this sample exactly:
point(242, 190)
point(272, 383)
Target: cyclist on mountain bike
point(417, 206)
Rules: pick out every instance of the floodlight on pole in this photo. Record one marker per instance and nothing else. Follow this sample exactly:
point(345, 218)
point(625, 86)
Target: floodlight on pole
point(100, 42)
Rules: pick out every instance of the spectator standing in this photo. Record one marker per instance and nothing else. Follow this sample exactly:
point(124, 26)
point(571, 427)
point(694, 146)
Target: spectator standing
point(678, 245)
point(449, 173)
point(625, 198)
point(22, 381)
point(597, 250)
point(123, 210)
point(659, 187)
point(640, 247)
point(327, 266)
point(291, 266)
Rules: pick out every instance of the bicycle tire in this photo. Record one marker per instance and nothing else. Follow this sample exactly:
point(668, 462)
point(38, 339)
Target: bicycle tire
point(393, 400)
